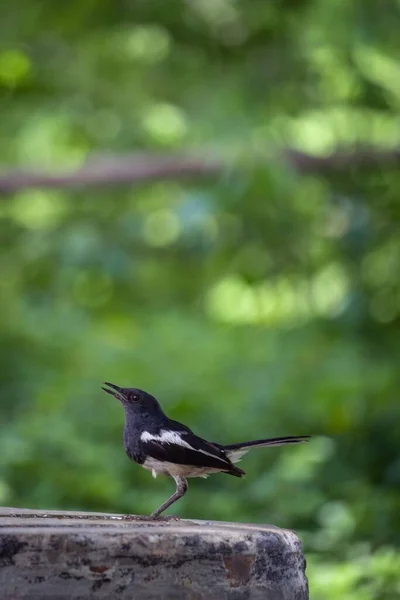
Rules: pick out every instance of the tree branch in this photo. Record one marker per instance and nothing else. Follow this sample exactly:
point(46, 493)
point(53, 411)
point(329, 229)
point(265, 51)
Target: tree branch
point(140, 168)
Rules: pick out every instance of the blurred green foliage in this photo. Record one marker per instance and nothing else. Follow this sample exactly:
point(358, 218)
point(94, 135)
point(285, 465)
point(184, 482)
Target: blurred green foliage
point(264, 303)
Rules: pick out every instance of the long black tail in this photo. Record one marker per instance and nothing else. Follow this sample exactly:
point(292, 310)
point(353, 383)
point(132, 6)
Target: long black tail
point(236, 451)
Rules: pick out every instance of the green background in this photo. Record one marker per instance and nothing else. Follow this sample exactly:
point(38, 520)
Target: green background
point(263, 301)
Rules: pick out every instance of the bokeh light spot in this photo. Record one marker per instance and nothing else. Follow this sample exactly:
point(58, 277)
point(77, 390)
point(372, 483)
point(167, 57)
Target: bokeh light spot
point(36, 209)
point(15, 65)
point(165, 123)
point(329, 290)
point(161, 228)
point(150, 44)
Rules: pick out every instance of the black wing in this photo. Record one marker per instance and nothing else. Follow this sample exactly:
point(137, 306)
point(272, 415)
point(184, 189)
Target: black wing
point(181, 446)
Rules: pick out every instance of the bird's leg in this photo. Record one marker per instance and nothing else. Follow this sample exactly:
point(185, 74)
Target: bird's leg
point(181, 489)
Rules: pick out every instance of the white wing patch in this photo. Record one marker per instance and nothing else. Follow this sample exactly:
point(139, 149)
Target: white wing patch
point(236, 455)
point(173, 437)
point(168, 437)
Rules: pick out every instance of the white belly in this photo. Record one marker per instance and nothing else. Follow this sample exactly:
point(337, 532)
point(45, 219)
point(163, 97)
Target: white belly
point(166, 468)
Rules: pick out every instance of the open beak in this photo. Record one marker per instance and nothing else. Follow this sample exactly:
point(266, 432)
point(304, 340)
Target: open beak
point(115, 391)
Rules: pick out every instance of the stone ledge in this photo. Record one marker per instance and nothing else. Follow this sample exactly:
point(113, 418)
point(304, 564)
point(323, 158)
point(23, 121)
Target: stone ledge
point(73, 555)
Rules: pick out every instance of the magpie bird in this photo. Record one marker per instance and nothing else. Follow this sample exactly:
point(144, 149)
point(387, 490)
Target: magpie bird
point(166, 447)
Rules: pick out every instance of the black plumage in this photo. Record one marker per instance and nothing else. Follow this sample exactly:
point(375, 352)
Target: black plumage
point(168, 447)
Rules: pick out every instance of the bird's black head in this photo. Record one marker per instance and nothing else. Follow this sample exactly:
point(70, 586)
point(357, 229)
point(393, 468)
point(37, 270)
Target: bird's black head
point(133, 399)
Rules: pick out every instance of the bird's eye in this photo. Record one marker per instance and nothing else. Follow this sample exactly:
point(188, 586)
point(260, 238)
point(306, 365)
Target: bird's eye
point(134, 397)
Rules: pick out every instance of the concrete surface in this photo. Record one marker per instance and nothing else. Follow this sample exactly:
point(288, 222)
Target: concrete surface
point(71, 556)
